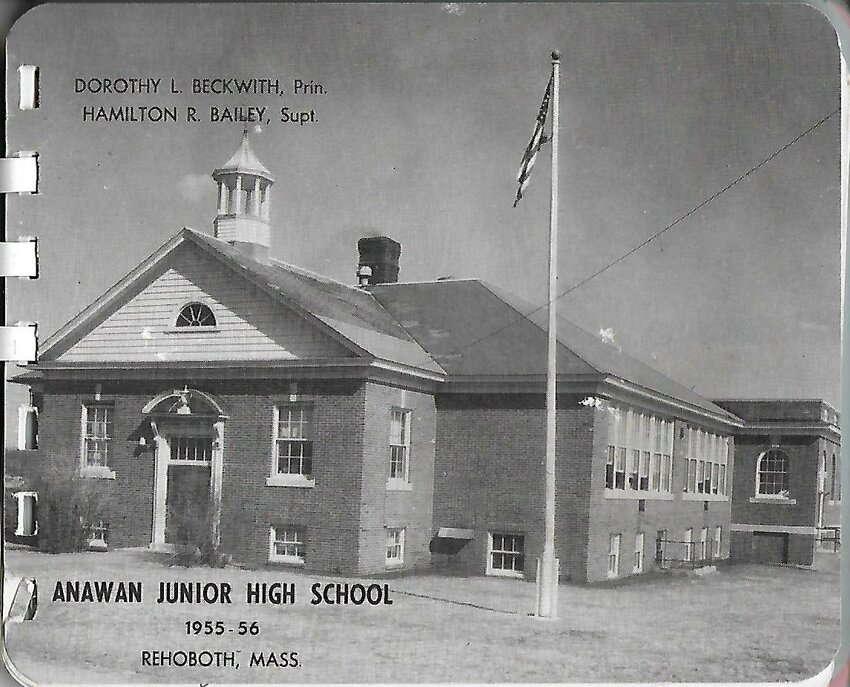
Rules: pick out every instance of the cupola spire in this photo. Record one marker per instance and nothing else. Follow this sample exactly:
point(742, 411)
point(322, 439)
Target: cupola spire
point(243, 202)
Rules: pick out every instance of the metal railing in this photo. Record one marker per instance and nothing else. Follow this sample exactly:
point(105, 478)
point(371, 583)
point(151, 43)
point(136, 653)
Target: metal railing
point(671, 554)
point(829, 539)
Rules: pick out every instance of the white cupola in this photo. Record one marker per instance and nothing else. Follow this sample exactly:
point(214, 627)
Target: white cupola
point(243, 202)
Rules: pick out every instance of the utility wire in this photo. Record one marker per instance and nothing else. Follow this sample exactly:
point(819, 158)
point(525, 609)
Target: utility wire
point(670, 226)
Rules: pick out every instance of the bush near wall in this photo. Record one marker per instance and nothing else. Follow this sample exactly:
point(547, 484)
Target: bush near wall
point(68, 506)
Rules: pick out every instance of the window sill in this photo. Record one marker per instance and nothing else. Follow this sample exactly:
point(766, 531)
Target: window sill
point(398, 485)
point(97, 472)
point(288, 560)
point(637, 495)
point(192, 330)
point(506, 573)
point(690, 496)
point(290, 481)
point(778, 500)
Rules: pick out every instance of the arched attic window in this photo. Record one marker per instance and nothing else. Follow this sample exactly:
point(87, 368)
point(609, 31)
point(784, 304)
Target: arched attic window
point(772, 473)
point(195, 315)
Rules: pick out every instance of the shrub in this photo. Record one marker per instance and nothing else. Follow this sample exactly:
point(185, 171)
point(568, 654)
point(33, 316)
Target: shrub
point(67, 505)
point(193, 529)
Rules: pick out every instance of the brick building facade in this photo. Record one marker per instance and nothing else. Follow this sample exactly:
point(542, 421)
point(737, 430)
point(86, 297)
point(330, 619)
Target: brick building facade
point(787, 479)
point(366, 429)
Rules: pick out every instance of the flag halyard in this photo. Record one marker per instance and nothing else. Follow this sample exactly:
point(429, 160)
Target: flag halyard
point(538, 140)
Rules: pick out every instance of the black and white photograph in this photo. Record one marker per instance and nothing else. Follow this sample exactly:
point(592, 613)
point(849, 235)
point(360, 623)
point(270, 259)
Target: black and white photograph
point(426, 343)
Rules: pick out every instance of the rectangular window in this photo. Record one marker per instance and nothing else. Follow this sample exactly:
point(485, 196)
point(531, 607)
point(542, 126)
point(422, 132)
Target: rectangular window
point(506, 555)
point(643, 484)
point(718, 531)
point(832, 478)
point(98, 435)
point(638, 448)
point(620, 469)
point(655, 472)
point(287, 544)
point(399, 445)
point(293, 441)
point(27, 525)
point(98, 536)
point(634, 460)
point(395, 546)
point(707, 456)
point(667, 473)
point(660, 546)
point(191, 449)
point(637, 566)
point(614, 555)
point(692, 475)
point(703, 544)
point(27, 428)
point(689, 544)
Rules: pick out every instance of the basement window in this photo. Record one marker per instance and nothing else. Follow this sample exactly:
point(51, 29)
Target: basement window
point(27, 525)
point(505, 554)
point(286, 544)
point(395, 546)
point(614, 555)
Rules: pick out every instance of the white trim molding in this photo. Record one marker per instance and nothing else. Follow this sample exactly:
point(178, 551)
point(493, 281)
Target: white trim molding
point(782, 529)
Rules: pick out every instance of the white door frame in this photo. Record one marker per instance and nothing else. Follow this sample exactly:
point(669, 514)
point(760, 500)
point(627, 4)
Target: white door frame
point(162, 459)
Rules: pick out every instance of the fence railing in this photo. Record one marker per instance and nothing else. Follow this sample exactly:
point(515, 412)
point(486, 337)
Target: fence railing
point(671, 554)
point(829, 539)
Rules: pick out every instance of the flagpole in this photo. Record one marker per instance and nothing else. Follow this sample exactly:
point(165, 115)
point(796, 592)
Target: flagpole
point(845, 181)
point(547, 573)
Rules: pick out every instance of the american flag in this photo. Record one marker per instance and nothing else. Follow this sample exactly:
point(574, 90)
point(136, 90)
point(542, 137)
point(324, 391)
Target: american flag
point(538, 139)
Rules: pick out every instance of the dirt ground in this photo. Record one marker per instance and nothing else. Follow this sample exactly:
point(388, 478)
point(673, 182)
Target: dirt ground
point(743, 623)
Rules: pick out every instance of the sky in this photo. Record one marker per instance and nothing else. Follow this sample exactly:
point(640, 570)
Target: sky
point(419, 135)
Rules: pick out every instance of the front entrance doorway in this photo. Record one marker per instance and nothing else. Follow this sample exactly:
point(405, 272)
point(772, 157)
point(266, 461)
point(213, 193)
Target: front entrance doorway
point(188, 429)
point(187, 499)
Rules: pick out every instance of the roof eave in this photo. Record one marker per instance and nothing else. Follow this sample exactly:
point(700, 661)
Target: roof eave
point(723, 418)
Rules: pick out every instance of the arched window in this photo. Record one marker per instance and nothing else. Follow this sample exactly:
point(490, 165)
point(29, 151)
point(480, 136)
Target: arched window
point(772, 473)
point(195, 315)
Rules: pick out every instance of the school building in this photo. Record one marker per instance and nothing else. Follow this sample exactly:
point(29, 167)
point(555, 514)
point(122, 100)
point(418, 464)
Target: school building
point(378, 426)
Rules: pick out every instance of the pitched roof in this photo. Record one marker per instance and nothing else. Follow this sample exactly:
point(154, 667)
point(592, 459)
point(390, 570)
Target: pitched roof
point(460, 328)
point(352, 313)
point(473, 328)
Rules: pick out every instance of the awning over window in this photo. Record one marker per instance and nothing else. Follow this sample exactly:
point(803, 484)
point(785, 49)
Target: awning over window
point(455, 533)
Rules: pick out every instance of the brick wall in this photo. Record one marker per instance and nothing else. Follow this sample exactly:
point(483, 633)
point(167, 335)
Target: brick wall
point(490, 477)
point(623, 516)
point(127, 500)
point(803, 457)
point(344, 515)
point(382, 508)
point(328, 512)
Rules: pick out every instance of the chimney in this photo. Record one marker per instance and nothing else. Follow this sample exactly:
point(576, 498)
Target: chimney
point(378, 260)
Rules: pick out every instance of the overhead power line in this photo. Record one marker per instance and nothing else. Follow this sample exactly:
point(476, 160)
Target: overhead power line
point(654, 236)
